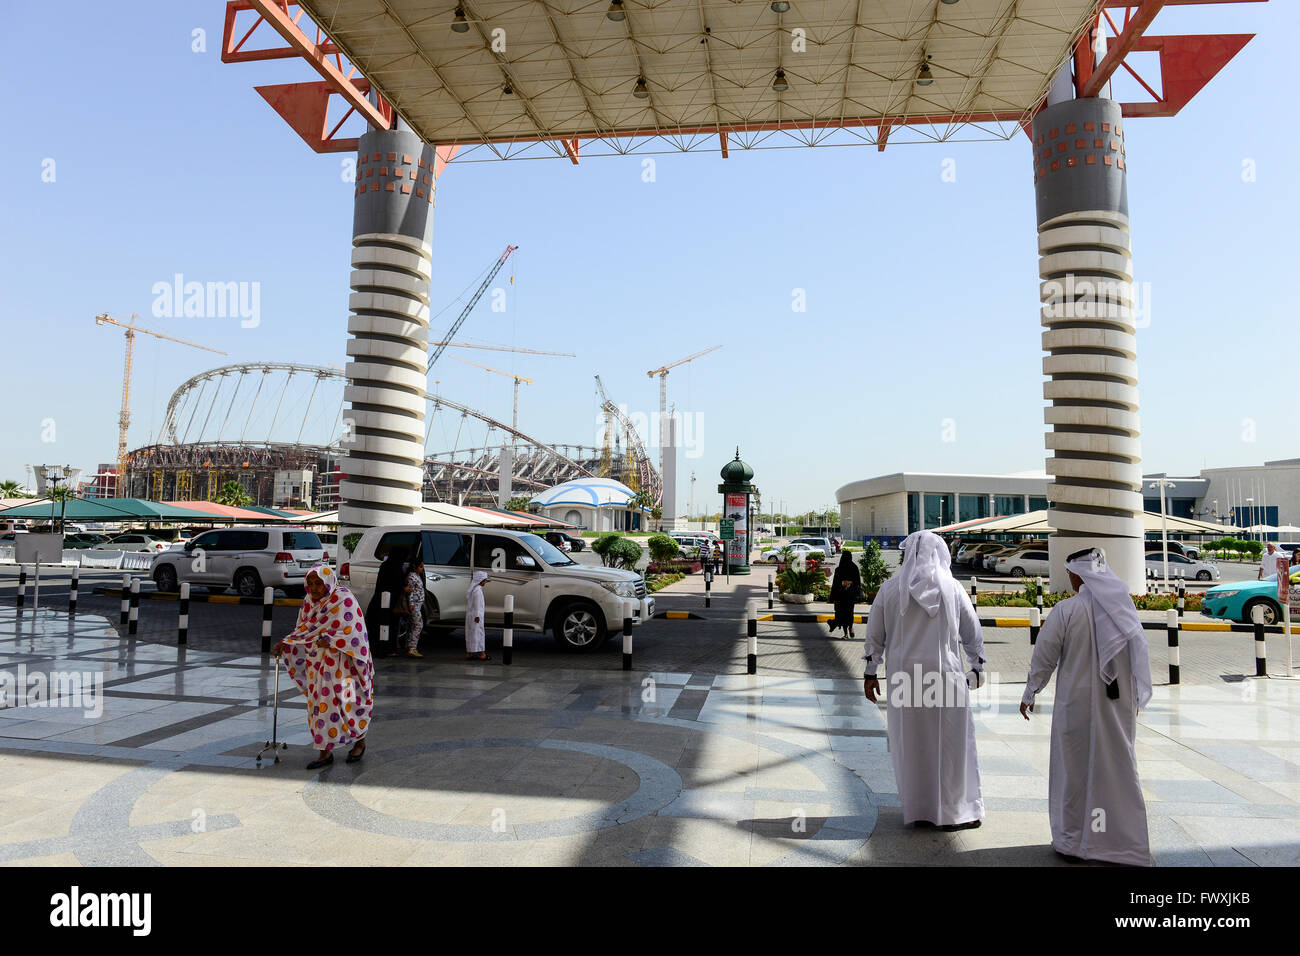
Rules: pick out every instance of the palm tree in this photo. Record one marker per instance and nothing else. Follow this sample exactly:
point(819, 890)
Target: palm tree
point(232, 493)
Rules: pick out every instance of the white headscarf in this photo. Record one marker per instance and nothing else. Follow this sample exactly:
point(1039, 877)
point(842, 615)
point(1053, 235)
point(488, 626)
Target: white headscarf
point(1115, 622)
point(478, 578)
point(927, 564)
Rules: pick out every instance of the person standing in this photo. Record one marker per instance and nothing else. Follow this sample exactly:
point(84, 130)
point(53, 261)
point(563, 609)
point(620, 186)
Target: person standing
point(475, 615)
point(921, 622)
point(1095, 644)
point(413, 622)
point(846, 591)
point(328, 657)
point(1268, 562)
point(390, 579)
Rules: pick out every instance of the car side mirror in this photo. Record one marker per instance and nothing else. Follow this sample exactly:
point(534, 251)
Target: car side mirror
point(523, 561)
point(189, 545)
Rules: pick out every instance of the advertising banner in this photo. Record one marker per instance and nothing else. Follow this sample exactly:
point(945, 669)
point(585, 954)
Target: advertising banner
point(738, 547)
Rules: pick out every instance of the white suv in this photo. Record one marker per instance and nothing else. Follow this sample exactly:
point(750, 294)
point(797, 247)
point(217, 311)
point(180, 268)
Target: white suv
point(580, 604)
point(247, 559)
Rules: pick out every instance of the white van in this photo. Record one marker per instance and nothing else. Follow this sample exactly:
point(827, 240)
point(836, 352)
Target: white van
point(580, 604)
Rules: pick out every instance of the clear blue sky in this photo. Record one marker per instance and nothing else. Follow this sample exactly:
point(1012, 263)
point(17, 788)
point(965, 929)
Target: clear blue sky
point(921, 294)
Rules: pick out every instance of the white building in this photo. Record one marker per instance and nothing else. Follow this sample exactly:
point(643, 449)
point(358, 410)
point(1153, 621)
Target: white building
point(904, 502)
point(597, 504)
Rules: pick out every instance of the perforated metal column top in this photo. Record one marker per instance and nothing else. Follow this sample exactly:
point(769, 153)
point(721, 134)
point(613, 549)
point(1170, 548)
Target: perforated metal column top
point(389, 328)
point(1088, 317)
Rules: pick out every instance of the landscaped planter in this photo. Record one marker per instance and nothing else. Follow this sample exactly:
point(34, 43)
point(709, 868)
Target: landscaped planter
point(797, 598)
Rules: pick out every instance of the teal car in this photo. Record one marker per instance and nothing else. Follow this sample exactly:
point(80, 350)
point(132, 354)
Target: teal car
point(1236, 600)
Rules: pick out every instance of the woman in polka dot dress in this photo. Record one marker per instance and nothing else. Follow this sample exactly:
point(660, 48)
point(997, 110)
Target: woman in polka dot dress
point(328, 657)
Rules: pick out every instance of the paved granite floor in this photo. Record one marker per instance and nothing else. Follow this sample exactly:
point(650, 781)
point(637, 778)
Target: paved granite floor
point(562, 760)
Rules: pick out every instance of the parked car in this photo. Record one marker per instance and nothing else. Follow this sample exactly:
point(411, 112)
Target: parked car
point(1236, 600)
point(80, 541)
point(838, 543)
point(132, 541)
point(1179, 565)
point(968, 554)
point(827, 548)
point(579, 604)
point(1026, 562)
point(987, 560)
point(773, 555)
point(565, 541)
point(1175, 547)
point(247, 559)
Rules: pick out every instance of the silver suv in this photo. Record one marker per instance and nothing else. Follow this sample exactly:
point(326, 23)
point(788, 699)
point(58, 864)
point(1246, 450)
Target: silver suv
point(247, 559)
point(578, 603)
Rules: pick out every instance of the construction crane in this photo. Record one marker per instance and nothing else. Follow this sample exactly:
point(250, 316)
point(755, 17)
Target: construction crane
point(646, 479)
point(502, 348)
point(124, 419)
point(514, 420)
point(662, 372)
point(464, 314)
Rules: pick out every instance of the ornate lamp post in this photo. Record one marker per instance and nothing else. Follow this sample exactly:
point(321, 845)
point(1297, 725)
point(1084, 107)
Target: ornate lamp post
point(736, 490)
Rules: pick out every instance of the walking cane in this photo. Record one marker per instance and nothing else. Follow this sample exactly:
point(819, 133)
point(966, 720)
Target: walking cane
point(271, 744)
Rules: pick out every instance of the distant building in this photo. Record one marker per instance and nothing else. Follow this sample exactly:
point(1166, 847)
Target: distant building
point(597, 504)
point(904, 502)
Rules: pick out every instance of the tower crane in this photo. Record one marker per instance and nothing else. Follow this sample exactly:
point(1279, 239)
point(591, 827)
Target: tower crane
point(464, 314)
point(662, 372)
point(514, 420)
point(647, 479)
point(502, 348)
point(124, 418)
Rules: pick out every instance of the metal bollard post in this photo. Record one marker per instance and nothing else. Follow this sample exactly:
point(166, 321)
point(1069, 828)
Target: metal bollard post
point(72, 592)
point(1182, 593)
point(751, 631)
point(1038, 600)
point(1035, 623)
point(1171, 624)
point(769, 591)
point(385, 616)
point(126, 599)
point(268, 605)
point(708, 584)
point(628, 608)
point(1261, 648)
point(183, 620)
point(508, 632)
point(133, 619)
point(22, 585)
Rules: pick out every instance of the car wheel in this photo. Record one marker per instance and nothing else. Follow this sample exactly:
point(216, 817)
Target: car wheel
point(1271, 611)
point(248, 583)
point(580, 626)
point(165, 578)
point(1202, 575)
point(1017, 572)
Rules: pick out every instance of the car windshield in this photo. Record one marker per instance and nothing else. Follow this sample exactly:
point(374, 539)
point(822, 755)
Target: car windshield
point(547, 551)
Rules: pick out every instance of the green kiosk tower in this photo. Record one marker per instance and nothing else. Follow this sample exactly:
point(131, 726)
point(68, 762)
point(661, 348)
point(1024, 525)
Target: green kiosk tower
point(736, 490)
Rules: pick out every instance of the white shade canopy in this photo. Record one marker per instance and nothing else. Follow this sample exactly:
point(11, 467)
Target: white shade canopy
point(1035, 522)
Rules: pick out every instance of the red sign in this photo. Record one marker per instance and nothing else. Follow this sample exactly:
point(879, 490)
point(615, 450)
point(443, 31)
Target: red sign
point(1283, 580)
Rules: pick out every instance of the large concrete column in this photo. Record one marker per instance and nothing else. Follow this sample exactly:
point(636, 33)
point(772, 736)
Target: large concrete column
point(668, 475)
point(392, 231)
point(1087, 314)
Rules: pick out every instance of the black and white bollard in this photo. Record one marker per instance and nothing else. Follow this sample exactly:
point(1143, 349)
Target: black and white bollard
point(1261, 648)
point(1182, 593)
point(708, 585)
point(628, 608)
point(508, 631)
point(183, 620)
point(974, 594)
point(126, 599)
point(385, 617)
point(268, 606)
point(72, 590)
point(751, 632)
point(1035, 622)
point(133, 619)
point(1171, 624)
point(22, 585)
point(769, 592)
point(1038, 599)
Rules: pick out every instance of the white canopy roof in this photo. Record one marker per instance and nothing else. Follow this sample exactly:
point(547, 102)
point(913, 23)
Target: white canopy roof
point(1035, 522)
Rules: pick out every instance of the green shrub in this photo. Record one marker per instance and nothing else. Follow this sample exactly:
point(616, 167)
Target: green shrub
point(873, 567)
point(662, 548)
point(660, 581)
point(617, 551)
point(793, 579)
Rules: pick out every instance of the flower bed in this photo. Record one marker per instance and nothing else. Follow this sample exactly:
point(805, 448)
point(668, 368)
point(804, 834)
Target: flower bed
point(672, 567)
point(657, 582)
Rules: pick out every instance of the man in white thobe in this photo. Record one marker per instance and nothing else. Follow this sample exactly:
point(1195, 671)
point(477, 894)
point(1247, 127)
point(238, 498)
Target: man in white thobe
point(475, 614)
point(1095, 643)
point(1268, 562)
point(921, 621)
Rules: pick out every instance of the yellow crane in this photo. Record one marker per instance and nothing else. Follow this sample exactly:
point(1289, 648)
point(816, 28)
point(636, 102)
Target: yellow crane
point(124, 419)
point(662, 372)
point(501, 348)
point(514, 420)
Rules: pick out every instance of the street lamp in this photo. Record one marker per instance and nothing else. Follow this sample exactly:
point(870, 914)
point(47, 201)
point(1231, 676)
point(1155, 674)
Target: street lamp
point(1162, 484)
point(55, 474)
point(1250, 514)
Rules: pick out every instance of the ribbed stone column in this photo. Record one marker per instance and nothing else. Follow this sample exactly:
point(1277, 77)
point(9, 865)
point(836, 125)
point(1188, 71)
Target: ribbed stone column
point(389, 327)
point(1088, 317)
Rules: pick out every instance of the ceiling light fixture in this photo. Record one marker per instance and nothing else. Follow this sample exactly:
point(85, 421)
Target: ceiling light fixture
point(616, 11)
point(641, 91)
point(779, 84)
point(780, 6)
point(925, 77)
point(460, 24)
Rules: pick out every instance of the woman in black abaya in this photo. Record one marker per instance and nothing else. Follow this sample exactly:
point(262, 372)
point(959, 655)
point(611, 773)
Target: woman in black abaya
point(846, 591)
